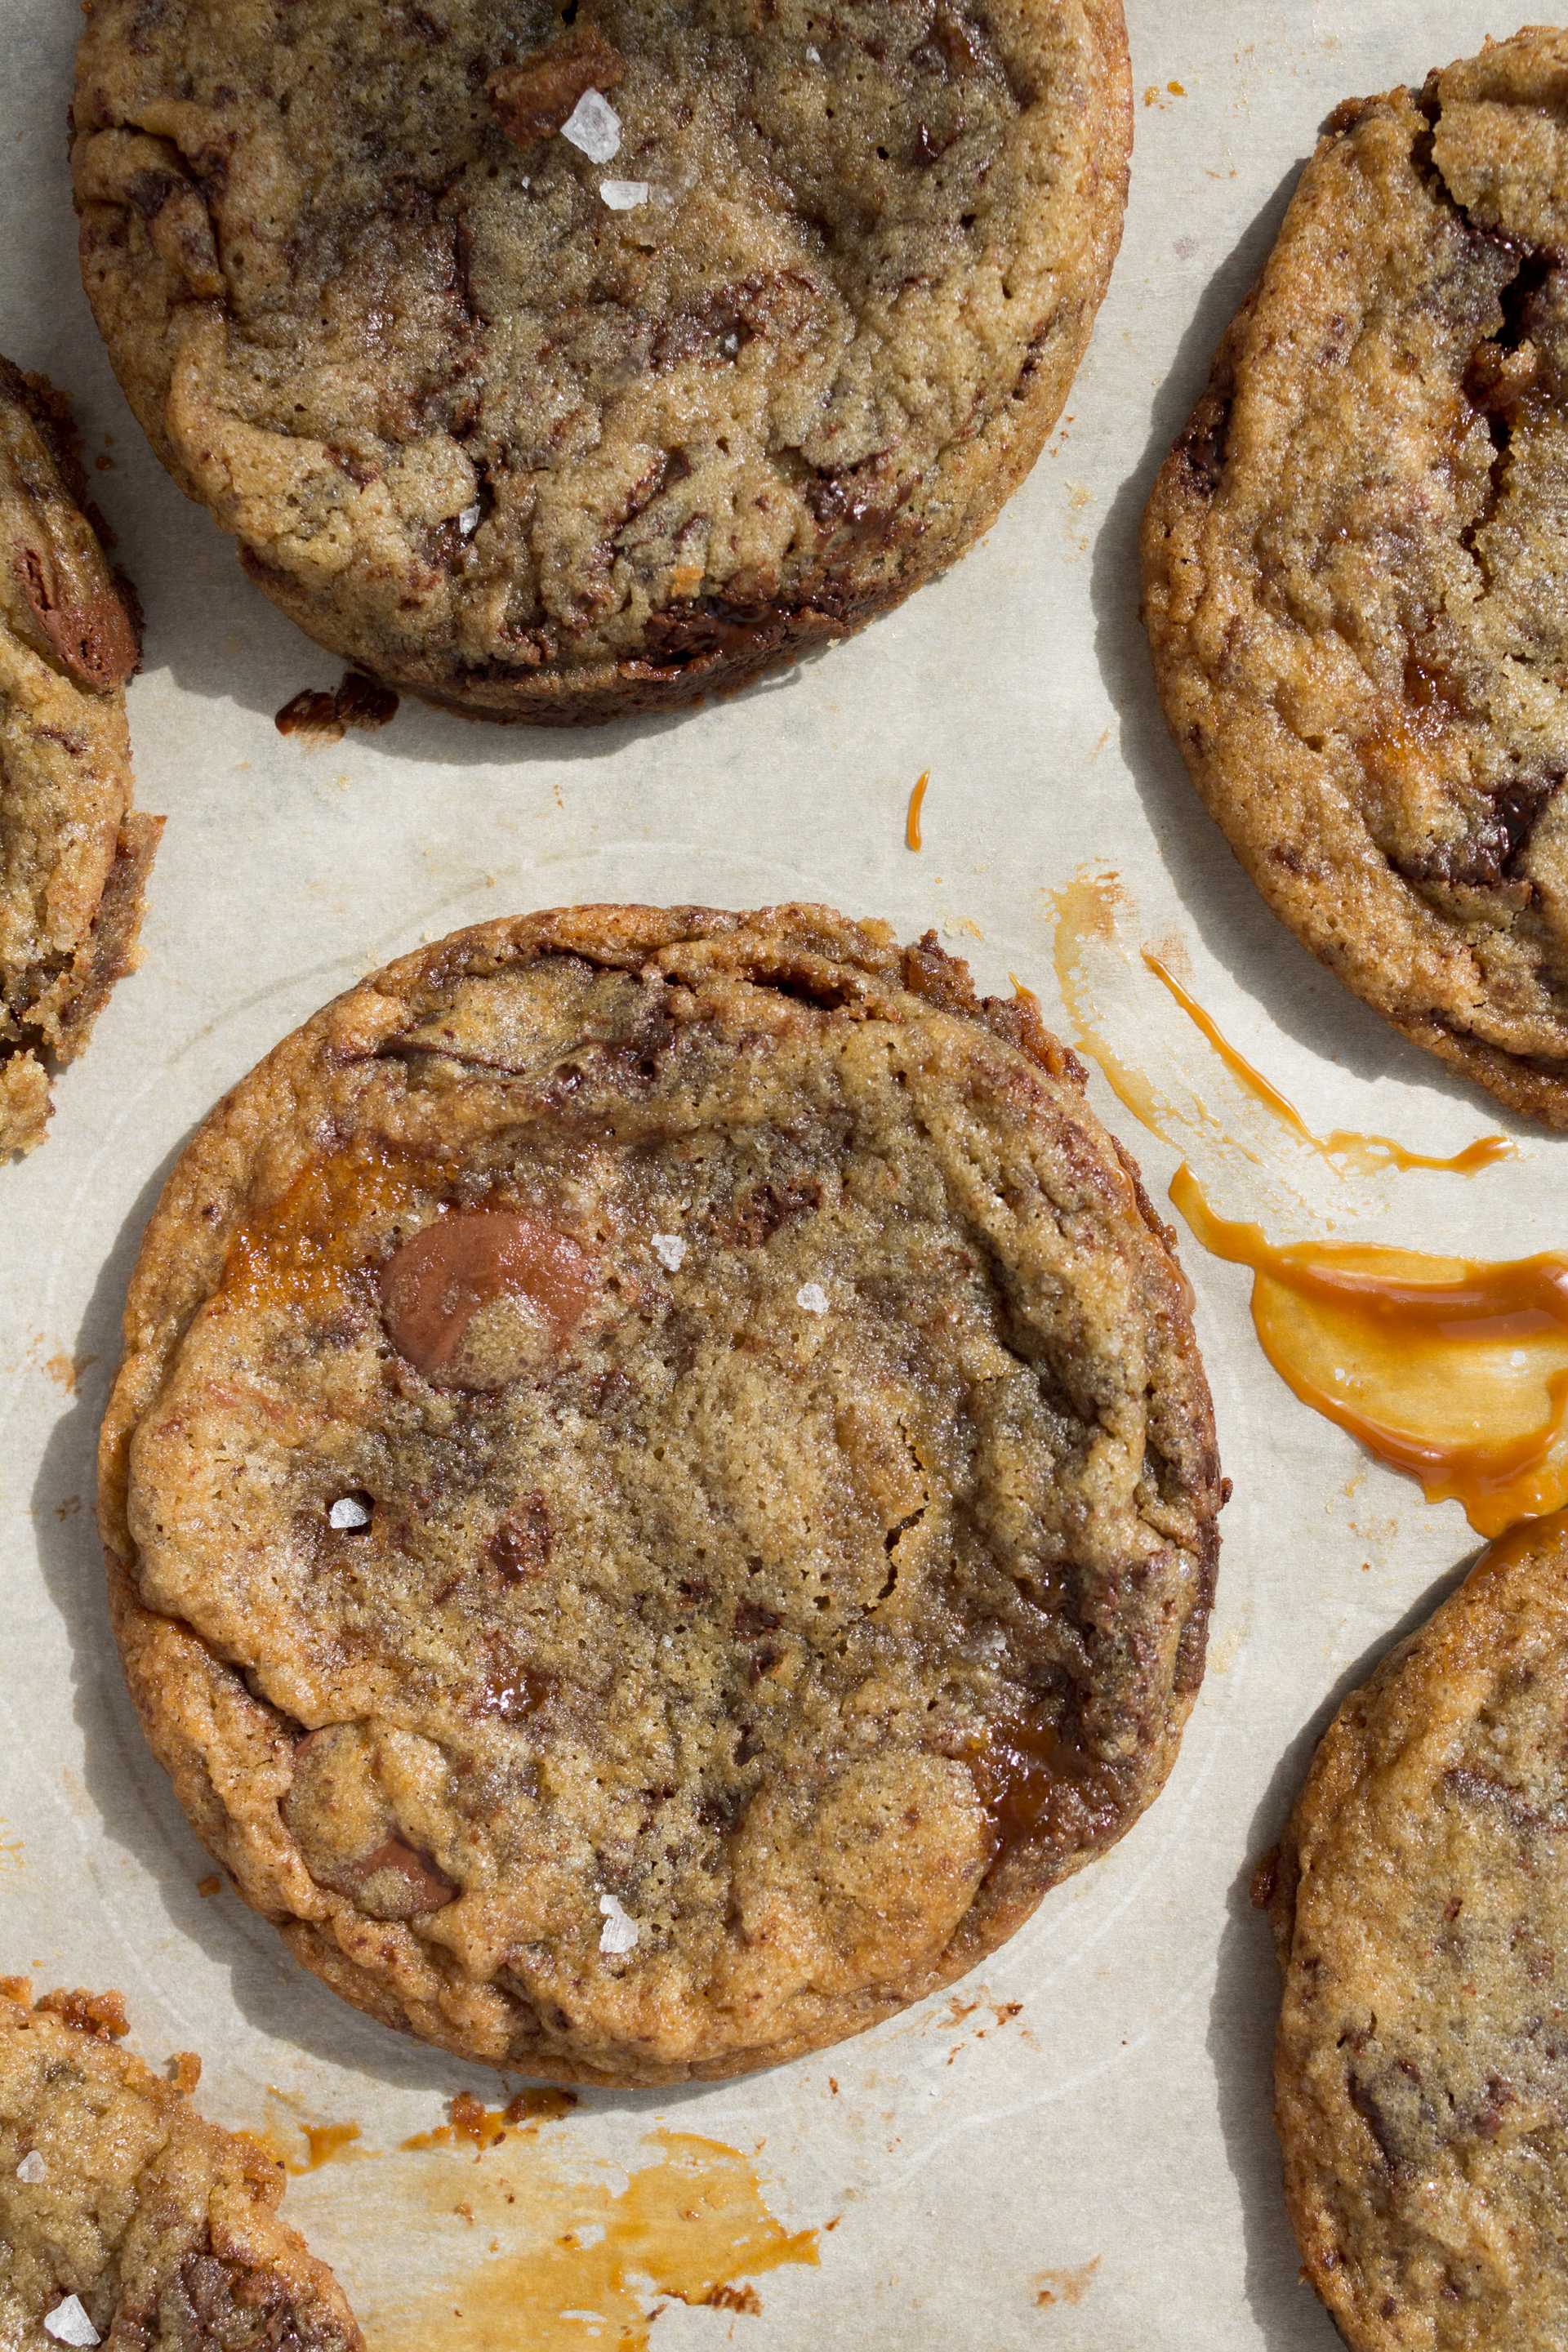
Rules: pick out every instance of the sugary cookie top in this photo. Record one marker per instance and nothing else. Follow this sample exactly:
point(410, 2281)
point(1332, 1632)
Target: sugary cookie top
point(1357, 568)
point(674, 1447)
point(526, 340)
point(124, 2217)
point(1423, 1923)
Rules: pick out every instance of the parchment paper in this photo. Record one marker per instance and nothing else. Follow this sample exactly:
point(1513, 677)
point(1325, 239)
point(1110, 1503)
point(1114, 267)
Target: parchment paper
point(1122, 2117)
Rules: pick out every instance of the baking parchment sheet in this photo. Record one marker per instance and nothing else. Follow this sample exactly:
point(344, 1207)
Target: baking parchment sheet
point(1097, 2169)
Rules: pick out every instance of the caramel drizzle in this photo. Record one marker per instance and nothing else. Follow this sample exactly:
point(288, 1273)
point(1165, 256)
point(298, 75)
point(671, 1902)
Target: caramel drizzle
point(1368, 1152)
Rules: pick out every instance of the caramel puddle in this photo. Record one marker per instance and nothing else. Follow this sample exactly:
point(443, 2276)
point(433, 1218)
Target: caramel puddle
point(1452, 1371)
point(691, 2225)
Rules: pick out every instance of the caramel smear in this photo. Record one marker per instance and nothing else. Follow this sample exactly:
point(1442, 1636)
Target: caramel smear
point(302, 1250)
point(1364, 1153)
point(1088, 916)
point(692, 2226)
point(1065, 2286)
point(1452, 1371)
point(12, 1850)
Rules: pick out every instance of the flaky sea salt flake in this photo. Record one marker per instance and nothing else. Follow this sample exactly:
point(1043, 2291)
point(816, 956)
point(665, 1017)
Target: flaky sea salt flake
point(670, 1252)
point(593, 127)
point(812, 1298)
point(618, 1934)
point(348, 1511)
point(624, 195)
point(69, 2324)
point(32, 2169)
point(468, 520)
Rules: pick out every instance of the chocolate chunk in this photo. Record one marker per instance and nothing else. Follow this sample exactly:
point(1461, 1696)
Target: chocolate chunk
point(435, 1284)
point(533, 98)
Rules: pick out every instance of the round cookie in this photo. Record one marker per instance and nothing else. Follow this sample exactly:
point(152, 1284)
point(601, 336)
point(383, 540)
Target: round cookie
point(662, 1489)
point(73, 854)
point(1421, 1912)
point(127, 2218)
point(1354, 568)
point(502, 441)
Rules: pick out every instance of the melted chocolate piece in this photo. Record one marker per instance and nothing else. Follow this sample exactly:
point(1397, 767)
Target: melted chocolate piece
point(436, 1283)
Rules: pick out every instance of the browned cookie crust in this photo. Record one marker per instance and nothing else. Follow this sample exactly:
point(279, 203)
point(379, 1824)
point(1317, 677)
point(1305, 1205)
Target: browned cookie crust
point(73, 856)
point(113, 2191)
point(1356, 567)
point(516, 451)
point(1421, 1912)
point(662, 1489)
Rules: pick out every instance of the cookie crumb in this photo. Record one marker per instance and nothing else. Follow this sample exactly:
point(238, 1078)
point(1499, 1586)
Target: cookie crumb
point(620, 1930)
point(812, 1298)
point(670, 1252)
point(32, 2169)
point(69, 2323)
point(593, 127)
point(624, 195)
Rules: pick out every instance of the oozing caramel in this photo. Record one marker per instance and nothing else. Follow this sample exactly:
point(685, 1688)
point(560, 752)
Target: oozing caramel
point(1034, 1784)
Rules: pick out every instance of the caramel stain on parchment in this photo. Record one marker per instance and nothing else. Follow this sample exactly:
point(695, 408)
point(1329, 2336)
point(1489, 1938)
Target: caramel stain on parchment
point(324, 2144)
point(1065, 2286)
point(299, 2146)
point(692, 2227)
point(912, 838)
point(1365, 1152)
point(11, 1852)
point(65, 1369)
point(1087, 913)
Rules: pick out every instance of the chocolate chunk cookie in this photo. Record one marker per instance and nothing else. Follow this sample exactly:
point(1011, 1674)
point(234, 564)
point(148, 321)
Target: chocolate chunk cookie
point(1421, 1912)
point(662, 1490)
point(563, 361)
point(1356, 567)
point(73, 856)
point(127, 2220)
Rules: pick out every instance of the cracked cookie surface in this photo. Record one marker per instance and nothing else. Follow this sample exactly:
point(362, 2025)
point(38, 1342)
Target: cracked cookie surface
point(125, 2217)
point(1422, 1921)
point(1356, 567)
point(662, 1490)
point(73, 853)
point(512, 448)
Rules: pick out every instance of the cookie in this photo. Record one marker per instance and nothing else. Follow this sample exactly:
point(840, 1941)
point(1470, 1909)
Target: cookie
point(1422, 1918)
point(126, 2218)
point(561, 362)
point(73, 854)
point(1354, 562)
point(662, 1489)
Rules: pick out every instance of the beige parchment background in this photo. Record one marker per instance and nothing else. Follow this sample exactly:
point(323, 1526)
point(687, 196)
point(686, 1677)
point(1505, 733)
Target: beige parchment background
point(1123, 2114)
